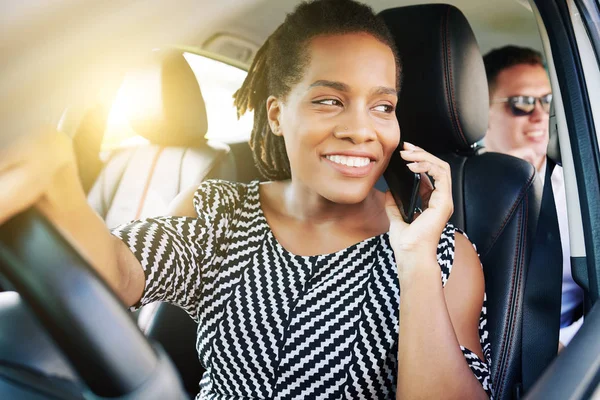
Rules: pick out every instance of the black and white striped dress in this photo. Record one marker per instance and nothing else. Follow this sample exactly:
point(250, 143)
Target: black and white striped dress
point(271, 324)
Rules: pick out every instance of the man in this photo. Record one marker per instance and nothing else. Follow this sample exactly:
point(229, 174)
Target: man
point(520, 96)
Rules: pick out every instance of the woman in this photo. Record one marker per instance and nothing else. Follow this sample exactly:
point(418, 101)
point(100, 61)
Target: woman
point(296, 282)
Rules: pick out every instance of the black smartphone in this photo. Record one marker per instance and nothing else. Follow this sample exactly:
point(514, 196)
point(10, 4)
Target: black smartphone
point(403, 183)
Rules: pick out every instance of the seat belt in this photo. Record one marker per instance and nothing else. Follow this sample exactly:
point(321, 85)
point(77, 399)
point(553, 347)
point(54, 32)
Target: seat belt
point(543, 289)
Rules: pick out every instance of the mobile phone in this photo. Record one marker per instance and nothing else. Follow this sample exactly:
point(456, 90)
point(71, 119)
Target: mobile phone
point(403, 183)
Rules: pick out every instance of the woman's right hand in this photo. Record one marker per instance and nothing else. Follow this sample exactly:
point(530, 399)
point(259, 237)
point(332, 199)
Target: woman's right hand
point(38, 170)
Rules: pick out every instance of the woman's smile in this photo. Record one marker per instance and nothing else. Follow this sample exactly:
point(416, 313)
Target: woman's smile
point(350, 171)
point(354, 165)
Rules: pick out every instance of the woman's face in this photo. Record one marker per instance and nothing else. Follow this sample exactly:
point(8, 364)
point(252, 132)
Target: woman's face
point(339, 123)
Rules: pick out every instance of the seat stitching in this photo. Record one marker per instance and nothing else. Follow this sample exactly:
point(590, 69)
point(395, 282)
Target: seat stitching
point(443, 62)
point(518, 200)
point(512, 284)
point(513, 294)
point(520, 277)
point(519, 282)
point(454, 114)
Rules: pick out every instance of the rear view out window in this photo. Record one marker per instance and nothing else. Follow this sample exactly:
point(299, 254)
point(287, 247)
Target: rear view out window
point(218, 82)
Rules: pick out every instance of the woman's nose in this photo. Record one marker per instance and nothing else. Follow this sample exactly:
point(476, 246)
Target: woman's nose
point(357, 129)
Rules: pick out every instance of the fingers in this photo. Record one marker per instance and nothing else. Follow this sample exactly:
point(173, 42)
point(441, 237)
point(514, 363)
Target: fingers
point(28, 170)
point(12, 154)
point(439, 172)
point(421, 161)
point(413, 153)
point(425, 163)
point(50, 146)
point(23, 191)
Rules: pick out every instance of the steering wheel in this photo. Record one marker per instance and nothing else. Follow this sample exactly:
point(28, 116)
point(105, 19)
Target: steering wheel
point(82, 315)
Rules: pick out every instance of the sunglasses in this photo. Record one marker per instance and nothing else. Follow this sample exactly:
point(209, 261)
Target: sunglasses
point(525, 105)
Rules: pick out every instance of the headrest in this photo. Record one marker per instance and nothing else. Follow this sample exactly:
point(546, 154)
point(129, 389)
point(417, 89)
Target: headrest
point(163, 102)
point(443, 104)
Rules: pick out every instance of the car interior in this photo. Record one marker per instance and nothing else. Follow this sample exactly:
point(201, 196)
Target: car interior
point(165, 143)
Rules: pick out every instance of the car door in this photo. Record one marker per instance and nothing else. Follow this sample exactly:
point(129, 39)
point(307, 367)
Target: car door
point(570, 31)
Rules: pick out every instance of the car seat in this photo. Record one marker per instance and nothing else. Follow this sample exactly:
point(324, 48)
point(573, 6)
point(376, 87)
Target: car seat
point(443, 107)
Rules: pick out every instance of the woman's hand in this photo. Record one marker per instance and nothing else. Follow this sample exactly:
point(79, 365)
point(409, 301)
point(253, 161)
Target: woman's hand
point(418, 240)
point(40, 171)
point(434, 320)
point(34, 169)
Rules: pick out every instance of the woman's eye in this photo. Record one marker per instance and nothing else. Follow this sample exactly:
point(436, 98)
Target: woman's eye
point(386, 108)
point(328, 102)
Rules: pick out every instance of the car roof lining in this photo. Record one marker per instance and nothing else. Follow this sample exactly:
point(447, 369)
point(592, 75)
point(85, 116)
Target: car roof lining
point(495, 24)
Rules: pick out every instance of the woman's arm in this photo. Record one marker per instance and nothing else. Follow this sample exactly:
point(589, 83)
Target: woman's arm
point(434, 320)
point(41, 172)
point(464, 294)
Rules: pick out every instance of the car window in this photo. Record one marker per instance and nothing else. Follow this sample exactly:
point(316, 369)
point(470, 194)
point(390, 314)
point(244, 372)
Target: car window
point(218, 82)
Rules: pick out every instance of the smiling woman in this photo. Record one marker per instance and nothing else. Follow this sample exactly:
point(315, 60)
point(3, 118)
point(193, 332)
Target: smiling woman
point(305, 317)
point(311, 285)
point(279, 65)
point(357, 107)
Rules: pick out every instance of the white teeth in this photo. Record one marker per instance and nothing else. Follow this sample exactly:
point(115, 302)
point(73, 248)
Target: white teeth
point(349, 161)
point(535, 133)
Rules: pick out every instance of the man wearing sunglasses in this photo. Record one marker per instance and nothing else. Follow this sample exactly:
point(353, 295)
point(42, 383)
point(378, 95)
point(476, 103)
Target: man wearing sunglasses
point(520, 97)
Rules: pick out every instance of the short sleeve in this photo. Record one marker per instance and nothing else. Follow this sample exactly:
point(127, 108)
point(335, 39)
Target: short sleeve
point(175, 251)
point(479, 367)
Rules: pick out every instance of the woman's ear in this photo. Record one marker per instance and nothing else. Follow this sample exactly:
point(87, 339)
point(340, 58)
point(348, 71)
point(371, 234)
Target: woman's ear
point(274, 115)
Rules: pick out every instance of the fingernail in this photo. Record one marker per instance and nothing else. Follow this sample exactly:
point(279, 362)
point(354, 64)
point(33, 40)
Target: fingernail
point(412, 164)
point(409, 146)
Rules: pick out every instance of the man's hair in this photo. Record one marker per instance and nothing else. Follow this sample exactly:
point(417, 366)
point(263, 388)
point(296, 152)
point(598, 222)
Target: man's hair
point(280, 64)
point(505, 57)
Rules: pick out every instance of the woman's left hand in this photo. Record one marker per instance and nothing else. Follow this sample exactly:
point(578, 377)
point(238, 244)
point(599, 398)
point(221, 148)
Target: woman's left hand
point(419, 239)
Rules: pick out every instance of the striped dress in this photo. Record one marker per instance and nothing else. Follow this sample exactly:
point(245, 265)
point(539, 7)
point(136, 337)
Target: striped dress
point(272, 324)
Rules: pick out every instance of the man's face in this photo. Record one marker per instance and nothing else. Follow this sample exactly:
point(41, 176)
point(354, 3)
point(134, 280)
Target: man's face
point(522, 136)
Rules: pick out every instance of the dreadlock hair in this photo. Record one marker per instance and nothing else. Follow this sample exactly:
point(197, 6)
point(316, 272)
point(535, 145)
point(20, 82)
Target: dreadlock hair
point(497, 60)
point(280, 63)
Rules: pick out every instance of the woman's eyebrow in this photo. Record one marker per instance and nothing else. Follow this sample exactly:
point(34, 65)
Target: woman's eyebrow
point(385, 90)
point(342, 87)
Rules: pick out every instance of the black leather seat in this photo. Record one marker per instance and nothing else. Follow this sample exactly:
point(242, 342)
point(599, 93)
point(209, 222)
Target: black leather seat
point(443, 108)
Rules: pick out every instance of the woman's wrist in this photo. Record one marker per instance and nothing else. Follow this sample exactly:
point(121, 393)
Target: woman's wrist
point(416, 267)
